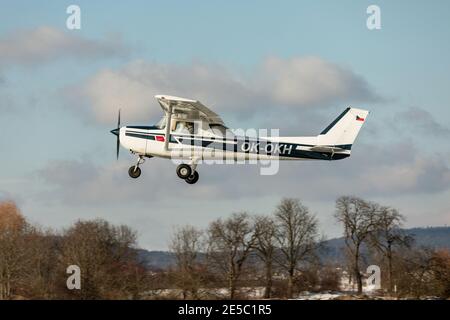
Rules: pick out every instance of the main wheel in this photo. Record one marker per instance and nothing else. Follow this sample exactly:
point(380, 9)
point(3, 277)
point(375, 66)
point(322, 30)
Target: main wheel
point(134, 172)
point(193, 178)
point(184, 171)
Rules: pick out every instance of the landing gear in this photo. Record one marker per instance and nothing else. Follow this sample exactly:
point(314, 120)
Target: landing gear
point(184, 171)
point(188, 173)
point(134, 171)
point(193, 178)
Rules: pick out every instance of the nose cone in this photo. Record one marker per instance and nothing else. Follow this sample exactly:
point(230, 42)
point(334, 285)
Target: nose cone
point(115, 131)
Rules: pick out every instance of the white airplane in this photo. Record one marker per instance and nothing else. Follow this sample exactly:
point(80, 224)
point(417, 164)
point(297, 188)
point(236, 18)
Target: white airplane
point(191, 132)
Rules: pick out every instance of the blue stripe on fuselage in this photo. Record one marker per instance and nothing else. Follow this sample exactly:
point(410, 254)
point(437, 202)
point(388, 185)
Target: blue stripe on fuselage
point(246, 145)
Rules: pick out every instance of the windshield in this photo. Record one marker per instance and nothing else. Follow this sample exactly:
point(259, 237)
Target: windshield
point(220, 130)
point(162, 123)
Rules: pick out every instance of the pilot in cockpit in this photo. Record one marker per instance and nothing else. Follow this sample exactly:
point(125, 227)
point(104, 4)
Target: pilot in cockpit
point(184, 127)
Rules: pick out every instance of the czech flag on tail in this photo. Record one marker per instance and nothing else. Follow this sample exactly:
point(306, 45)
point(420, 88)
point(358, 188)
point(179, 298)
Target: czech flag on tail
point(358, 118)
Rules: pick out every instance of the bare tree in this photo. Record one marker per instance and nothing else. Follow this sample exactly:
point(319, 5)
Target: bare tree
point(27, 256)
point(265, 231)
point(424, 272)
point(387, 236)
point(296, 236)
point(105, 256)
point(359, 218)
point(230, 242)
point(40, 276)
point(440, 270)
point(186, 244)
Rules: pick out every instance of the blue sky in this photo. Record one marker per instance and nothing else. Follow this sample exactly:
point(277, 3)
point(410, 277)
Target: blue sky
point(56, 113)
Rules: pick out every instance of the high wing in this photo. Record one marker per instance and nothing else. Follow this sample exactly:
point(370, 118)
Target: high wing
point(194, 109)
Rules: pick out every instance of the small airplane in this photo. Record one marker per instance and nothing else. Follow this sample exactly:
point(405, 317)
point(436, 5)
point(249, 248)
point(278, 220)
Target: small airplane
point(191, 132)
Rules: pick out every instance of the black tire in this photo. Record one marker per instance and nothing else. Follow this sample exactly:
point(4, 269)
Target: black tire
point(193, 178)
point(184, 171)
point(134, 172)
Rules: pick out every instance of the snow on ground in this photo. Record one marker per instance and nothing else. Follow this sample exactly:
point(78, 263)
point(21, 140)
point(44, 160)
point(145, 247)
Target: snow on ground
point(319, 295)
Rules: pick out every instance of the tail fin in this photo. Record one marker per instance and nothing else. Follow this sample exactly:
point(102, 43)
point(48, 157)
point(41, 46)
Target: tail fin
point(344, 129)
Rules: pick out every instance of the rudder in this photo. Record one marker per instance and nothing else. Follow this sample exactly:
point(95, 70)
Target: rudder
point(344, 129)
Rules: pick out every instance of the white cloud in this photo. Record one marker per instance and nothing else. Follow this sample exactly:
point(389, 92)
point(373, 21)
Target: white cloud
point(291, 84)
point(44, 44)
point(420, 175)
point(308, 81)
point(420, 120)
point(81, 183)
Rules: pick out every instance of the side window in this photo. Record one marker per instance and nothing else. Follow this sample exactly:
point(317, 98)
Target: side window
point(184, 127)
point(177, 126)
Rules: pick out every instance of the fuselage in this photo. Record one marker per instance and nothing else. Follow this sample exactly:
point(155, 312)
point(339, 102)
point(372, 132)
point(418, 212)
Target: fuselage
point(150, 141)
point(191, 133)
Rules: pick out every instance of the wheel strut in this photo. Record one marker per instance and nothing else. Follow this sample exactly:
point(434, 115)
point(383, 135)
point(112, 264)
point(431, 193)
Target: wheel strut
point(134, 171)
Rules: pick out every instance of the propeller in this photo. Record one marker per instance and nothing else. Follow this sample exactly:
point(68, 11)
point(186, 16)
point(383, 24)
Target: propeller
point(116, 132)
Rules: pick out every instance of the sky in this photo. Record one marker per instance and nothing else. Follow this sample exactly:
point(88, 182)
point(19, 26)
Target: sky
point(292, 65)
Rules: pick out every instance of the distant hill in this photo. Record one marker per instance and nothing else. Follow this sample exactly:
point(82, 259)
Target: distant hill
point(434, 237)
point(156, 260)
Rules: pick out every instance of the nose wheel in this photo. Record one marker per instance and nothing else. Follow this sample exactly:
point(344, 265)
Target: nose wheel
point(134, 171)
point(185, 172)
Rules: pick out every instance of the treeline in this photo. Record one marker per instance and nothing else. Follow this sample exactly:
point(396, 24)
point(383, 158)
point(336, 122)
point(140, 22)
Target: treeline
point(282, 251)
point(231, 258)
point(34, 261)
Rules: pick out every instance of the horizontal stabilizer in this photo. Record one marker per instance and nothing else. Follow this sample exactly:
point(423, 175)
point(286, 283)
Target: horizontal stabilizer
point(326, 149)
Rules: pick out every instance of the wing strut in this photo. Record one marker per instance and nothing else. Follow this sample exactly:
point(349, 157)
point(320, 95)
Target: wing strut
point(168, 126)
